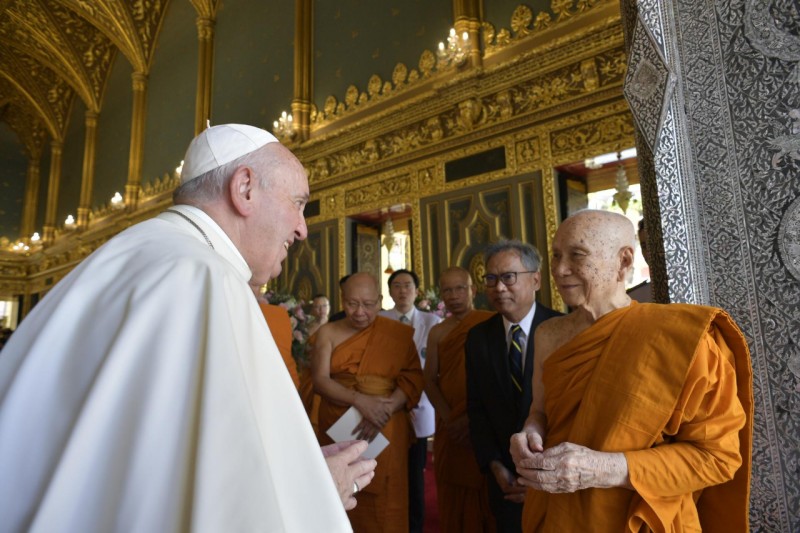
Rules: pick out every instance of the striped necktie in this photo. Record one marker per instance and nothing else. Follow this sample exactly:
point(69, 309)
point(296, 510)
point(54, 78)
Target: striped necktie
point(515, 360)
point(404, 319)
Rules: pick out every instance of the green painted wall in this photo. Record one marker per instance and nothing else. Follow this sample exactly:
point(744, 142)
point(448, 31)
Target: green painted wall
point(254, 58)
point(44, 182)
point(366, 37)
point(113, 134)
point(69, 191)
point(13, 167)
point(172, 87)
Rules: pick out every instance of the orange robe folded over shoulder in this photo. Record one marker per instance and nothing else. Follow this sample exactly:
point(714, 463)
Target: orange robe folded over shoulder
point(461, 487)
point(281, 328)
point(376, 361)
point(671, 387)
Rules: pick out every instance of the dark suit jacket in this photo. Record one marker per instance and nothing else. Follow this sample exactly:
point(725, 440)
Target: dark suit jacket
point(493, 415)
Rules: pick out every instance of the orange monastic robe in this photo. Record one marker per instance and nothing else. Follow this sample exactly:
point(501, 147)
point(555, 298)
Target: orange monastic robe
point(281, 328)
point(671, 387)
point(376, 361)
point(460, 485)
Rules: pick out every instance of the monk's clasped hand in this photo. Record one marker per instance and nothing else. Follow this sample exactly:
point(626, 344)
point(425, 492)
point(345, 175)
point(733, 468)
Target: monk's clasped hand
point(569, 467)
point(374, 408)
point(564, 468)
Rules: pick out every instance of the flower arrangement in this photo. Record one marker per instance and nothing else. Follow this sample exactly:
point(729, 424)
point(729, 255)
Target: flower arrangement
point(431, 302)
point(299, 321)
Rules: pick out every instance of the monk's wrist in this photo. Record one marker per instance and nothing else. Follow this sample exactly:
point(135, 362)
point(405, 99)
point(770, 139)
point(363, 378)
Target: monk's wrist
point(615, 466)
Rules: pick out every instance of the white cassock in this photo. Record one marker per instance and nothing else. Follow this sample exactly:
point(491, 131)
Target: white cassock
point(145, 393)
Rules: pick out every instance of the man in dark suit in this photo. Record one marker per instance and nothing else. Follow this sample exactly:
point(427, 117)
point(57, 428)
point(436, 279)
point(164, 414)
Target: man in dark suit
point(499, 363)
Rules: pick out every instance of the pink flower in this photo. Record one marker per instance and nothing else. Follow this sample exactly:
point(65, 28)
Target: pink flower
point(424, 304)
point(298, 335)
point(293, 321)
point(299, 314)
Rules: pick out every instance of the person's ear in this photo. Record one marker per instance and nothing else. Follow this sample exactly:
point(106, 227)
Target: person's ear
point(474, 290)
point(537, 280)
point(240, 188)
point(625, 262)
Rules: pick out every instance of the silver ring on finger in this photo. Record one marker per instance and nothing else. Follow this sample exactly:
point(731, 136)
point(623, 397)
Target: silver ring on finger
point(355, 487)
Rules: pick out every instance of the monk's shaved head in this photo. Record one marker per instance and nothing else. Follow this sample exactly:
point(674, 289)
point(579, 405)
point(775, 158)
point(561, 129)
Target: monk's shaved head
point(361, 281)
point(592, 257)
point(457, 291)
point(456, 272)
point(606, 230)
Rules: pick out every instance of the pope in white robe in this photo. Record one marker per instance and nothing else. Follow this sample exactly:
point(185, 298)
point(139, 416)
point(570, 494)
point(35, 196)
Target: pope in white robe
point(145, 393)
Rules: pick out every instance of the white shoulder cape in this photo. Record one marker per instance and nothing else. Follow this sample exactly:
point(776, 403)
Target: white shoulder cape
point(145, 393)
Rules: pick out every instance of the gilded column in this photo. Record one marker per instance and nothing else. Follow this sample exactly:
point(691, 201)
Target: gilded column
point(134, 185)
point(31, 195)
point(87, 182)
point(205, 72)
point(51, 211)
point(467, 15)
point(303, 67)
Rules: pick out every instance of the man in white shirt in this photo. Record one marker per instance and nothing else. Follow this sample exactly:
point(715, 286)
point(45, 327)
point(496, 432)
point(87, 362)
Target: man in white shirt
point(404, 288)
point(145, 392)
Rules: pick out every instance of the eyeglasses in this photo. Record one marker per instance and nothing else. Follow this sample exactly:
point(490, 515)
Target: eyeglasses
point(508, 278)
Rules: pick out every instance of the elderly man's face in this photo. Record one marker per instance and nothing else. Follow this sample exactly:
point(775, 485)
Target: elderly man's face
point(279, 220)
point(584, 265)
point(457, 292)
point(361, 301)
point(512, 301)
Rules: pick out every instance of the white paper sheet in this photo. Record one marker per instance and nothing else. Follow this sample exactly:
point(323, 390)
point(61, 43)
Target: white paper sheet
point(342, 430)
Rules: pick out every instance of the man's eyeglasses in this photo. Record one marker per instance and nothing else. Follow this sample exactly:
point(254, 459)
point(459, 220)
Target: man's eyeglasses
point(508, 278)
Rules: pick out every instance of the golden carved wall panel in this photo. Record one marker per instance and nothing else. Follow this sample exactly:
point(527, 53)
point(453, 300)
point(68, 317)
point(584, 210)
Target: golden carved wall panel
point(615, 130)
point(578, 79)
point(312, 265)
point(457, 225)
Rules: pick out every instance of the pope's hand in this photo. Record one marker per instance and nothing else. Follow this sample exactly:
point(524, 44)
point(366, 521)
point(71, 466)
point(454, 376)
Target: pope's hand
point(348, 469)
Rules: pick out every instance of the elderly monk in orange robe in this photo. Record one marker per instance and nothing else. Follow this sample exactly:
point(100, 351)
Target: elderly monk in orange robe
point(461, 487)
point(281, 328)
point(641, 417)
point(371, 363)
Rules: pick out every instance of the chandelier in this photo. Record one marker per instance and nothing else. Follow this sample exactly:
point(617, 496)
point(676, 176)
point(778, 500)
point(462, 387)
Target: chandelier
point(283, 128)
point(623, 194)
point(456, 50)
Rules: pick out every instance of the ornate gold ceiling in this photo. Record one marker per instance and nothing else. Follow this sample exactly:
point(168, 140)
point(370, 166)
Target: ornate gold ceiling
point(53, 51)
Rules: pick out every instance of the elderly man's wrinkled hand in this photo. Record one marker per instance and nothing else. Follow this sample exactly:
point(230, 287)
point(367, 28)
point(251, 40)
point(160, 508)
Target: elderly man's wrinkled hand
point(350, 473)
point(524, 446)
point(569, 467)
point(374, 408)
